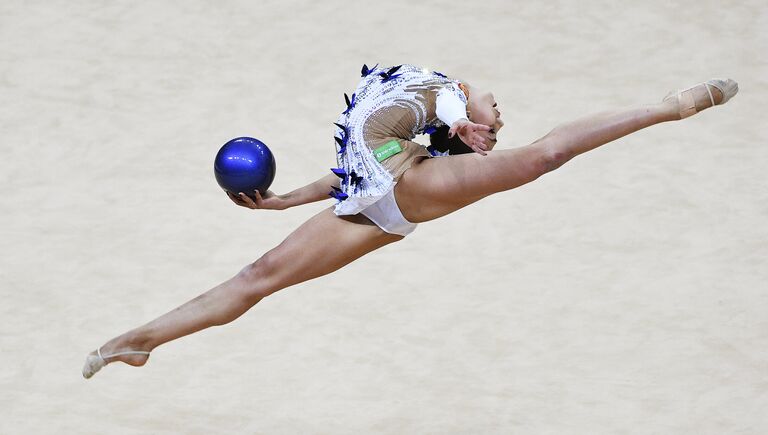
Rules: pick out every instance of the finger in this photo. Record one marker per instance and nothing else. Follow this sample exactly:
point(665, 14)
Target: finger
point(479, 151)
point(481, 127)
point(458, 127)
point(233, 197)
point(246, 199)
point(479, 140)
point(259, 199)
point(250, 202)
point(480, 148)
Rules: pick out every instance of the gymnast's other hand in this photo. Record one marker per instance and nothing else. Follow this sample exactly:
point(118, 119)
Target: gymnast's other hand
point(469, 132)
point(269, 201)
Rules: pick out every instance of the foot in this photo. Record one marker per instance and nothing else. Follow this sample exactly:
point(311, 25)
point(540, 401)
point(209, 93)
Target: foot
point(687, 102)
point(114, 351)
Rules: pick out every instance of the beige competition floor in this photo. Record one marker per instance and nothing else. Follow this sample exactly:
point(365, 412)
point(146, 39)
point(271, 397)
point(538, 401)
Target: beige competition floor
point(625, 293)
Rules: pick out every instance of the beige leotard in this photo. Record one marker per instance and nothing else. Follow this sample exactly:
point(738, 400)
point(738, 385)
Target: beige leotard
point(389, 107)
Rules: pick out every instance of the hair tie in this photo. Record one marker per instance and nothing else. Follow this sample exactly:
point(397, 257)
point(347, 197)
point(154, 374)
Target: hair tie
point(464, 89)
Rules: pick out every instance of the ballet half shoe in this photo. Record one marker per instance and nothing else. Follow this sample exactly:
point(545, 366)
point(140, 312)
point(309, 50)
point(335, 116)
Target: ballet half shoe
point(686, 101)
point(94, 363)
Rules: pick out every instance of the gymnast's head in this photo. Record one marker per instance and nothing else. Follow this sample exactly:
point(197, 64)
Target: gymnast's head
point(481, 109)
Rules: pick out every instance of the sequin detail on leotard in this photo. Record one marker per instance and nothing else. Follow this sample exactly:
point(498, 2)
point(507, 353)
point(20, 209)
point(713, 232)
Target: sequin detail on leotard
point(393, 103)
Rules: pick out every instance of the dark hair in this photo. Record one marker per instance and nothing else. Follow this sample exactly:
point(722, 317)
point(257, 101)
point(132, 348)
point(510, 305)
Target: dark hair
point(439, 141)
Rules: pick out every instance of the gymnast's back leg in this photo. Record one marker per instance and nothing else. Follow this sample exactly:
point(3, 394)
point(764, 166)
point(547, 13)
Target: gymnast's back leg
point(436, 187)
point(321, 245)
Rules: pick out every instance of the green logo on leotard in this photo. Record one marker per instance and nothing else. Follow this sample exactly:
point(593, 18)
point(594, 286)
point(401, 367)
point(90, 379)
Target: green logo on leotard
point(387, 150)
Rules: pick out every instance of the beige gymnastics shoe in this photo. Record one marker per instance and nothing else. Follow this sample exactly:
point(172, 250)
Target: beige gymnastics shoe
point(94, 363)
point(686, 99)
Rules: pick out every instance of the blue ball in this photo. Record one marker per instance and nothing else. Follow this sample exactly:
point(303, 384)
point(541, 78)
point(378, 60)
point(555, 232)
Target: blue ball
point(244, 164)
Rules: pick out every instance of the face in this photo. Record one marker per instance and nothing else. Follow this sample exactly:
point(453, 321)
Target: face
point(483, 109)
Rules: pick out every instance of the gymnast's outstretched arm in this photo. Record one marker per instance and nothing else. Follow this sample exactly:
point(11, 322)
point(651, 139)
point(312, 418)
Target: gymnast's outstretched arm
point(312, 192)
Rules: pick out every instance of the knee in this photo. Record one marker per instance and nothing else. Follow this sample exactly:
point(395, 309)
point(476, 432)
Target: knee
point(259, 277)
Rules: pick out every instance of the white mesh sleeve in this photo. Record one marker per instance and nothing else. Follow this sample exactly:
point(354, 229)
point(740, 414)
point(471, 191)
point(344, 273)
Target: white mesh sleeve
point(449, 107)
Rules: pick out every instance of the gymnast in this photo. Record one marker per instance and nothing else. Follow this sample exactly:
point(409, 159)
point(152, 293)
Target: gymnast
point(385, 184)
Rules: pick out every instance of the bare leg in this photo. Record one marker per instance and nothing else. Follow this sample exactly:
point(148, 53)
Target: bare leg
point(435, 187)
point(320, 246)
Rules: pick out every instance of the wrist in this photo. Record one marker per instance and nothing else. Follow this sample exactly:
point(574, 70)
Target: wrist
point(286, 201)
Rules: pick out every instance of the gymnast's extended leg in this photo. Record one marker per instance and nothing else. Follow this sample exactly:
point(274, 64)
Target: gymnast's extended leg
point(320, 246)
point(435, 187)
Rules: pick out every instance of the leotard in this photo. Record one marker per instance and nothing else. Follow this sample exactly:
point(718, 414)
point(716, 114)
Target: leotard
point(374, 146)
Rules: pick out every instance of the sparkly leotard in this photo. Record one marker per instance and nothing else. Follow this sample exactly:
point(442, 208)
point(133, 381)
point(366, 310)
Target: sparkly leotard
point(389, 107)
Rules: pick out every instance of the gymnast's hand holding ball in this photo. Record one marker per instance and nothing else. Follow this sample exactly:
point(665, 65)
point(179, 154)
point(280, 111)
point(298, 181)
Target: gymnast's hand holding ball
point(245, 167)
point(269, 201)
